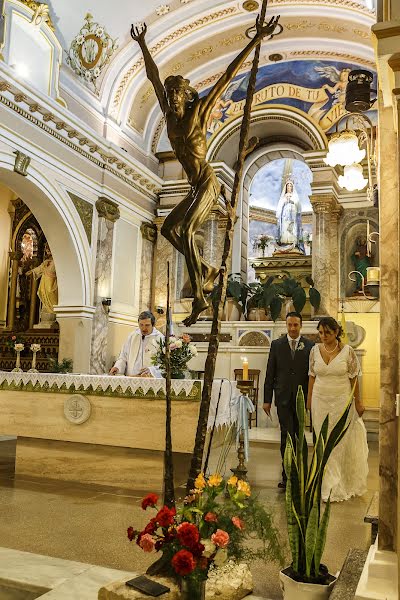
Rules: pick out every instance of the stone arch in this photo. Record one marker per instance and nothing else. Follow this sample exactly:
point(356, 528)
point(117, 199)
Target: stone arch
point(284, 132)
point(53, 211)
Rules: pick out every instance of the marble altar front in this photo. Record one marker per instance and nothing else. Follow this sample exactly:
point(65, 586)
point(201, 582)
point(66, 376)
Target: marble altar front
point(102, 429)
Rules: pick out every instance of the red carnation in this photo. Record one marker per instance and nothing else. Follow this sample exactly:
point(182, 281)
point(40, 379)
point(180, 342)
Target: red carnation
point(149, 500)
point(197, 549)
point(188, 534)
point(131, 533)
point(165, 516)
point(183, 562)
point(151, 526)
point(210, 517)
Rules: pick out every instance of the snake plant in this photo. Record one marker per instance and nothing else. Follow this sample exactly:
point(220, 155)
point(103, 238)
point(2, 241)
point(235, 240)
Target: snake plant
point(306, 527)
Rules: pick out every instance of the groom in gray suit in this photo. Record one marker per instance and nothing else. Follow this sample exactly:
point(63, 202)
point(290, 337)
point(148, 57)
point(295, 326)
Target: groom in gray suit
point(287, 369)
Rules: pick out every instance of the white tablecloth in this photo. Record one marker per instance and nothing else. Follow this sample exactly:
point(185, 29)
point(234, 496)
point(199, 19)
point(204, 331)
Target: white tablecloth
point(96, 381)
point(227, 408)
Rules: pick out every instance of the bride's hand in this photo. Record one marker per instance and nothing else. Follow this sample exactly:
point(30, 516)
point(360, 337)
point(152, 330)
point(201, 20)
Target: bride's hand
point(360, 408)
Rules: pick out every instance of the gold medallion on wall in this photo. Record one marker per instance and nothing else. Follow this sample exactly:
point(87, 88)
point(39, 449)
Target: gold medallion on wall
point(90, 51)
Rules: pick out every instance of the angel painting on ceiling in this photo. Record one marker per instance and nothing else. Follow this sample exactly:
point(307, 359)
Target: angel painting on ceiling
point(336, 92)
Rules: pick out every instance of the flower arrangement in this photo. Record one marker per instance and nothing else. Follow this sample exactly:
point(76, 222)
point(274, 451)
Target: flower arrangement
point(262, 241)
point(181, 351)
point(12, 340)
point(209, 529)
point(18, 347)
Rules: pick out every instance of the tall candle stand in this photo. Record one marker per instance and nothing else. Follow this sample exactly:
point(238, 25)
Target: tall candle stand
point(244, 386)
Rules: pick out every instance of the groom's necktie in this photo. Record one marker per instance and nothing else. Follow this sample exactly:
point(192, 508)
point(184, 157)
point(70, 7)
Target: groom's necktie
point(293, 347)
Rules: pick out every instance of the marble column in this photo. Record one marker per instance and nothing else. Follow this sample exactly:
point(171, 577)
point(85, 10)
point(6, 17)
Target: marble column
point(163, 252)
point(334, 275)
point(149, 238)
point(15, 257)
point(321, 252)
point(210, 247)
point(389, 330)
point(108, 213)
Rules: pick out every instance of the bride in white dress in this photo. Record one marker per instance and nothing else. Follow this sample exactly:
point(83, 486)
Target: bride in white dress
point(334, 369)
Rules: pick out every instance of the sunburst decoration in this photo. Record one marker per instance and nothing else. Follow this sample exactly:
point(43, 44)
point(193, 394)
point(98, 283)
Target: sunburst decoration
point(90, 51)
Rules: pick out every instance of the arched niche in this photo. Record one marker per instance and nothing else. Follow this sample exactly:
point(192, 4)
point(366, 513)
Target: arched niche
point(283, 132)
point(53, 212)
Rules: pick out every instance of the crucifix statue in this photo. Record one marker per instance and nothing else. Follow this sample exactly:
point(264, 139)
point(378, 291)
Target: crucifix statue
point(186, 116)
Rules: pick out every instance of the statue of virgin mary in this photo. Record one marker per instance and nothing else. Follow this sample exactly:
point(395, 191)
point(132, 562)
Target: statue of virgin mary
point(288, 214)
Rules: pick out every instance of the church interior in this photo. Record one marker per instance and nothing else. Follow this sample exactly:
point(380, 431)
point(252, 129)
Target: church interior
point(89, 175)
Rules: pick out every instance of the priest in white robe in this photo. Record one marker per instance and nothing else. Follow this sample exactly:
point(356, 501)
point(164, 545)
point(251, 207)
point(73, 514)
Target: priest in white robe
point(141, 345)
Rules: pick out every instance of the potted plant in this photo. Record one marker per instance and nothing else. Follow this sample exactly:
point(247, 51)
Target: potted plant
point(262, 296)
point(209, 530)
point(282, 289)
point(237, 293)
point(307, 577)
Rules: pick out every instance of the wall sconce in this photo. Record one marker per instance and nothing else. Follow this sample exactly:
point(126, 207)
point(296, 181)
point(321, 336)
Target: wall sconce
point(362, 279)
point(106, 302)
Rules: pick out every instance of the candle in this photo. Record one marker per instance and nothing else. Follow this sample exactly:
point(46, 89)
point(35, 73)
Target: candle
point(245, 367)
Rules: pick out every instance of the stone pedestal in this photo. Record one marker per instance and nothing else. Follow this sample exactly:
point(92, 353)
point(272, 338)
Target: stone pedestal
point(47, 321)
point(227, 583)
point(378, 579)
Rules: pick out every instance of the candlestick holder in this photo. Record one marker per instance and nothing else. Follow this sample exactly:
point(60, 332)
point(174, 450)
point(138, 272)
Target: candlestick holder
point(244, 386)
point(17, 368)
point(33, 368)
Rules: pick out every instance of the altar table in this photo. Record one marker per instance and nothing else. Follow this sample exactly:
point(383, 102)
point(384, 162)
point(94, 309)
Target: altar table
point(108, 430)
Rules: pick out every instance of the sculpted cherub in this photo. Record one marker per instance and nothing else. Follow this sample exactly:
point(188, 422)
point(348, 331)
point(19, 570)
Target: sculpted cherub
point(186, 116)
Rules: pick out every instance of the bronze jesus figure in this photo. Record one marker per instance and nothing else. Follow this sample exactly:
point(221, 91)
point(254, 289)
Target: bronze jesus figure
point(186, 116)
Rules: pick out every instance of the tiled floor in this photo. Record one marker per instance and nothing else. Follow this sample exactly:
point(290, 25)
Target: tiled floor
point(88, 523)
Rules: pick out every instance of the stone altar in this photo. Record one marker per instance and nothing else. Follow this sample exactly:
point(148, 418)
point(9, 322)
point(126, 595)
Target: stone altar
point(98, 429)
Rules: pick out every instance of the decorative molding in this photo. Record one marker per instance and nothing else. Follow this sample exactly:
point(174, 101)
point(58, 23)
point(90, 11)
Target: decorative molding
point(64, 133)
point(149, 231)
point(107, 209)
point(21, 163)
point(85, 212)
point(40, 12)
point(175, 35)
point(79, 56)
point(351, 4)
point(77, 409)
point(330, 54)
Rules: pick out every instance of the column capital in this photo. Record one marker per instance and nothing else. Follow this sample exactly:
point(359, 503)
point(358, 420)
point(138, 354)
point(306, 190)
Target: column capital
point(107, 209)
point(322, 203)
point(149, 231)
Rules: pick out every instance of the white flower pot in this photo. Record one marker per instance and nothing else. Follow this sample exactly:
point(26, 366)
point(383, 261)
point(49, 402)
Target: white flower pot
point(295, 590)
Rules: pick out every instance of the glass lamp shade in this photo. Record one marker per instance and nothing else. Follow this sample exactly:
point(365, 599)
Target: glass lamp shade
point(353, 179)
point(343, 149)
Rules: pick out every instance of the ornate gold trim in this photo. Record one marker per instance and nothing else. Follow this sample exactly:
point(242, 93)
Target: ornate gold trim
point(199, 23)
point(107, 209)
point(40, 12)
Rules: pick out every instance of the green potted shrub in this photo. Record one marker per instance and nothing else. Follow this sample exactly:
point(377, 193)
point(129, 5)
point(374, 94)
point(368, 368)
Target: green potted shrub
point(281, 289)
point(307, 577)
point(237, 293)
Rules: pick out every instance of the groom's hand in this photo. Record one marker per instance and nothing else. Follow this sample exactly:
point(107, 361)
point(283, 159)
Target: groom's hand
point(267, 408)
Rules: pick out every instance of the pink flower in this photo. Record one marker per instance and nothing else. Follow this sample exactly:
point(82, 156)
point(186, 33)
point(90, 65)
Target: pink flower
point(147, 542)
point(238, 522)
point(220, 538)
point(186, 338)
point(173, 346)
point(210, 517)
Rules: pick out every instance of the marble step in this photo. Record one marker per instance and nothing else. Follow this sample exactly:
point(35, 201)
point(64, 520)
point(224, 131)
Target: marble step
point(270, 437)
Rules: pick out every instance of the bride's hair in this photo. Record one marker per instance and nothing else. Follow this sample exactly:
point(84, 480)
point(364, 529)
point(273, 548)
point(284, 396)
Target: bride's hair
point(332, 324)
